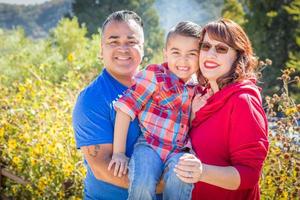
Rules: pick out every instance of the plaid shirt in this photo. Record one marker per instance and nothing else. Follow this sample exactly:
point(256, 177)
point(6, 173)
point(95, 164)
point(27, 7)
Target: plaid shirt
point(162, 103)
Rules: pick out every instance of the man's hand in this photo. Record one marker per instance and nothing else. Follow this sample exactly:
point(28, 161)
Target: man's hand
point(121, 164)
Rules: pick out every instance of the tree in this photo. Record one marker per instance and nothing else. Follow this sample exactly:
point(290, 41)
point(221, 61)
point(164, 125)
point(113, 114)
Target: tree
point(233, 10)
point(293, 9)
point(273, 30)
point(93, 13)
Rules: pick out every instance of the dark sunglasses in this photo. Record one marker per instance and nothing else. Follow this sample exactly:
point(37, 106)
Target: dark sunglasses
point(220, 48)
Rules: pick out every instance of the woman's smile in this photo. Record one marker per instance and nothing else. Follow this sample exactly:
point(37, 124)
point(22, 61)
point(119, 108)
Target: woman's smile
point(210, 64)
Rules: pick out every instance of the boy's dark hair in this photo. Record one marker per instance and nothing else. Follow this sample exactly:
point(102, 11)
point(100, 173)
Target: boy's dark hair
point(185, 28)
point(123, 16)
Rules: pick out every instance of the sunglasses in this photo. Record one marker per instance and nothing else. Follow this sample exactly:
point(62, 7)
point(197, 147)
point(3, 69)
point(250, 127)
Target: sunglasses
point(220, 48)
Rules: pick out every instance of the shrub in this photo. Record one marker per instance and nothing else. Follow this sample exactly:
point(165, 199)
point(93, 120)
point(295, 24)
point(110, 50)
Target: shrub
point(281, 173)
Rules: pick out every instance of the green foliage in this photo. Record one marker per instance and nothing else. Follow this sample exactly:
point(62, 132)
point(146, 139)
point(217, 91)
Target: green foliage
point(37, 143)
point(67, 49)
point(93, 13)
point(68, 37)
point(281, 174)
point(39, 85)
point(37, 19)
point(233, 10)
point(273, 27)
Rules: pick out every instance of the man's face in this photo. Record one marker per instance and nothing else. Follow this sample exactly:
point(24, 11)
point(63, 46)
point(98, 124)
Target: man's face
point(122, 48)
point(182, 55)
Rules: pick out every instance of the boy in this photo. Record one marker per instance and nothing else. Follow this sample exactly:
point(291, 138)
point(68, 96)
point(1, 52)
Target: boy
point(161, 98)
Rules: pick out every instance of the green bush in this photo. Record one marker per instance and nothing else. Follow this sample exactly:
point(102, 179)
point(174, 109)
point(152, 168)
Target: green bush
point(39, 85)
point(281, 173)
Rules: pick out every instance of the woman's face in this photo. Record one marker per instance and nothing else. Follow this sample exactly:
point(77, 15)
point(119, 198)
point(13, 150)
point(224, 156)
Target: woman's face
point(216, 58)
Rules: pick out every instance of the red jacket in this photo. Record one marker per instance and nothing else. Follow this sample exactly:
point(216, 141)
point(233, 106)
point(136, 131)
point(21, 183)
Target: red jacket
point(231, 130)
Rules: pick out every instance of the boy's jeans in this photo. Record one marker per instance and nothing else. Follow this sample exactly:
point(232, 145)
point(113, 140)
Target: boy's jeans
point(146, 169)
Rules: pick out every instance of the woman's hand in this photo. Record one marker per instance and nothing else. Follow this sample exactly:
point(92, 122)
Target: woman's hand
point(189, 168)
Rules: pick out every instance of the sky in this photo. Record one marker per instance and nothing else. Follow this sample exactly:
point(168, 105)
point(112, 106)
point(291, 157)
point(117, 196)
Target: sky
point(25, 2)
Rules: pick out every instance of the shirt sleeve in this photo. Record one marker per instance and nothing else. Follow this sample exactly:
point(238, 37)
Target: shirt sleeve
point(138, 95)
point(248, 141)
point(91, 121)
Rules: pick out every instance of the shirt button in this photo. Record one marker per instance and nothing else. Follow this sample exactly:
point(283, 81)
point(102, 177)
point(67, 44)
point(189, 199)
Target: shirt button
point(182, 126)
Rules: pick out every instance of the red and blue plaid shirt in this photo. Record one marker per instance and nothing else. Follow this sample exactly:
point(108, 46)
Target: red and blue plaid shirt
point(162, 103)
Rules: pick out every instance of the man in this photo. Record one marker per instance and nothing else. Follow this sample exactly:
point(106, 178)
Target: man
point(94, 117)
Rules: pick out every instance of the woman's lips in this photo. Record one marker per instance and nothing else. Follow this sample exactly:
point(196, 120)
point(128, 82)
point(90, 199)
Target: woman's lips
point(211, 64)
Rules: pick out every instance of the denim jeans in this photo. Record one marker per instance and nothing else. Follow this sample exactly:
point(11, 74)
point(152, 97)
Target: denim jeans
point(146, 169)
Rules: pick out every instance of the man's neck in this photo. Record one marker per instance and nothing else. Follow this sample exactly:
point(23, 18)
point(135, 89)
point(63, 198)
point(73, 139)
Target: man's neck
point(125, 81)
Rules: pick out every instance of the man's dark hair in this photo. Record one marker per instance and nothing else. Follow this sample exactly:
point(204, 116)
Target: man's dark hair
point(123, 16)
point(185, 28)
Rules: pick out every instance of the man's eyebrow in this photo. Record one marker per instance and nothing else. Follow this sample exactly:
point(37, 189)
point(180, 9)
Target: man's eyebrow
point(192, 50)
point(117, 37)
point(131, 37)
point(114, 37)
point(174, 49)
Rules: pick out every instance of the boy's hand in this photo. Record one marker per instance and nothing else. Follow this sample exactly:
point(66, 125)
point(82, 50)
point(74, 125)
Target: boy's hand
point(121, 164)
point(199, 101)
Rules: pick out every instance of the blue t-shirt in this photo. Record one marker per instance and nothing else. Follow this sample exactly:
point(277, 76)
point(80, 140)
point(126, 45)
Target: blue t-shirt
point(93, 123)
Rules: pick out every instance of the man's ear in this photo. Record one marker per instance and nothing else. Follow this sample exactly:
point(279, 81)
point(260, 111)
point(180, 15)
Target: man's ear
point(100, 54)
point(165, 54)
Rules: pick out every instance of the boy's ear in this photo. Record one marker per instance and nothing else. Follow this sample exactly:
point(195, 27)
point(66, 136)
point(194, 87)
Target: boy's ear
point(165, 55)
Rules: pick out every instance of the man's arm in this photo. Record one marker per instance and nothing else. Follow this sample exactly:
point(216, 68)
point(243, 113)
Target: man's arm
point(98, 158)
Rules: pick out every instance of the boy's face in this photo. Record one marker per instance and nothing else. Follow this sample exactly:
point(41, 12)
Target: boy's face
point(182, 56)
point(122, 48)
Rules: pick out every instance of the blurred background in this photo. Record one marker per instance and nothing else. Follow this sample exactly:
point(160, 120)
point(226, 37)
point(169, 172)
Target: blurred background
point(49, 52)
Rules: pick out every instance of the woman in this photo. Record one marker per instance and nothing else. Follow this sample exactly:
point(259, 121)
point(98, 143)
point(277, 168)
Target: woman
point(229, 134)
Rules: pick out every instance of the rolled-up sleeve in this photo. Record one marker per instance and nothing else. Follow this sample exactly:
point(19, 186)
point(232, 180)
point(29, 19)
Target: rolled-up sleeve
point(138, 95)
point(248, 139)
